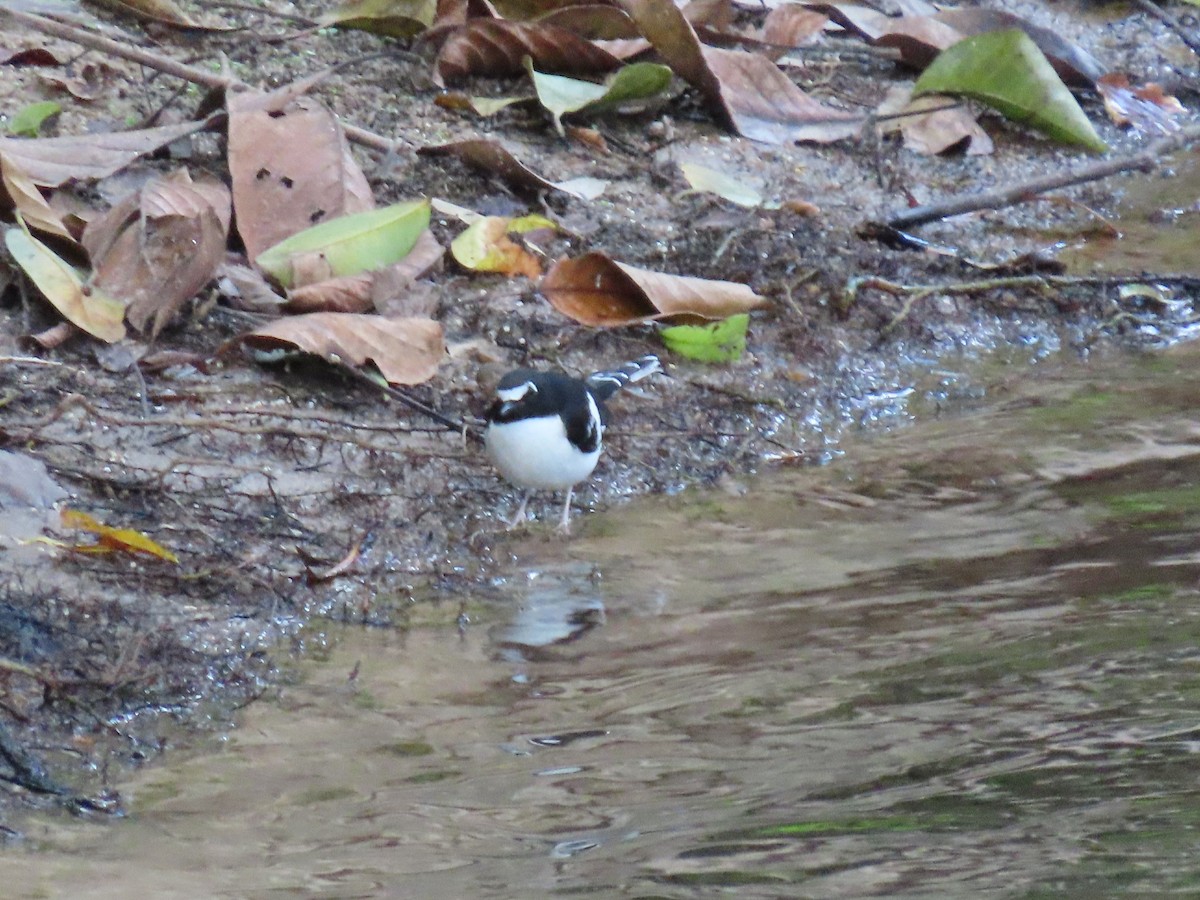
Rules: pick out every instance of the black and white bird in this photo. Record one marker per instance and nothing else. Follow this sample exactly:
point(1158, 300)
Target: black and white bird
point(545, 430)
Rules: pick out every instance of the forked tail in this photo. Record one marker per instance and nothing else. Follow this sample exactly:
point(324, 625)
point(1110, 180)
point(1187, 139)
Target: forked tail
point(607, 382)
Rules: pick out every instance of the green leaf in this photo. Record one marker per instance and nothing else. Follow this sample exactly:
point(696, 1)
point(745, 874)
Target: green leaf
point(351, 244)
point(1006, 70)
point(562, 95)
point(723, 341)
point(392, 18)
point(28, 120)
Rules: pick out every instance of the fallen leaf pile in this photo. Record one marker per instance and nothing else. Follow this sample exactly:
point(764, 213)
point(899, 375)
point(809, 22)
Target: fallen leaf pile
point(294, 232)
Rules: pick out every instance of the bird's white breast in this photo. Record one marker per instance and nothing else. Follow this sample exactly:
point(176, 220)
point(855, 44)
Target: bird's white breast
point(535, 453)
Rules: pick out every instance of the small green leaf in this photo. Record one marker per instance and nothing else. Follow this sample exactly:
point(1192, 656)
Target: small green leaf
point(1007, 71)
point(562, 95)
point(28, 120)
point(723, 341)
point(351, 244)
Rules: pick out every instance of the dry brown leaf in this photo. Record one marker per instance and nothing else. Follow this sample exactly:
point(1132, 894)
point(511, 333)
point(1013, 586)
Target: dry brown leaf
point(291, 169)
point(50, 162)
point(918, 38)
point(625, 50)
point(933, 123)
point(391, 283)
point(158, 249)
point(595, 290)
point(347, 294)
point(26, 199)
point(30, 56)
point(663, 24)
point(406, 351)
point(858, 19)
point(54, 336)
point(496, 48)
point(749, 91)
point(763, 104)
point(1148, 109)
point(791, 25)
point(716, 14)
point(592, 22)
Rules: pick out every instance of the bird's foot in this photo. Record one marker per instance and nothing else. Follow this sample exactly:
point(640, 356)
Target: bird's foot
point(564, 524)
point(519, 517)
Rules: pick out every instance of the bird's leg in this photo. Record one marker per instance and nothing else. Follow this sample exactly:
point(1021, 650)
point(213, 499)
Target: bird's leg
point(519, 517)
point(564, 524)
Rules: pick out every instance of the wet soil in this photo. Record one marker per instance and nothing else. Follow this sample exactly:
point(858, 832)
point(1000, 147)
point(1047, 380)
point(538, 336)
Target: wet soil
point(257, 478)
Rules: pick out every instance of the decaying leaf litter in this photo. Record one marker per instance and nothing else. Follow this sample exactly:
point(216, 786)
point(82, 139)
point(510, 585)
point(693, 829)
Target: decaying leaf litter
point(264, 204)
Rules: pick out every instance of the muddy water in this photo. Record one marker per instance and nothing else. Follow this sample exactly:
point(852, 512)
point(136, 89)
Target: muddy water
point(963, 659)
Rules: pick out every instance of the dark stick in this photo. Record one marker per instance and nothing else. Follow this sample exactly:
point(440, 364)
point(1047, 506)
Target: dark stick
point(1146, 161)
point(1171, 22)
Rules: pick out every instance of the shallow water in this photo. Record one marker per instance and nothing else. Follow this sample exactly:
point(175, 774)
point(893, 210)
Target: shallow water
point(963, 659)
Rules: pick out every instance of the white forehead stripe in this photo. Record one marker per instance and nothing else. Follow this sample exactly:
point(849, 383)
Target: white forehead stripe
point(513, 394)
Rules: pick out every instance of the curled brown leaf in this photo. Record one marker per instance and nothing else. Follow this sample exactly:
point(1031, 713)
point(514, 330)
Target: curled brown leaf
point(497, 48)
point(157, 248)
point(595, 290)
point(406, 351)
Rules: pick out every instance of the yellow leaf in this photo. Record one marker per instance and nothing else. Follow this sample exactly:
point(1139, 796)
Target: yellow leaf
point(113, 539)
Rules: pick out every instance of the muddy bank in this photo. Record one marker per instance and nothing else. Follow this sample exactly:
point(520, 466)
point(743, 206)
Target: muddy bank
point(260, 480)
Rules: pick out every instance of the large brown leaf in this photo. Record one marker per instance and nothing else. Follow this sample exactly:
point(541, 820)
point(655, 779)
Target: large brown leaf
point(867, 23)
point(406, 351)
point(50, 162)
point(157, 248)
point(496, 48)
point(749, 91)
point(291, 169)
point(592, 22)
point(933, 123)
point(791, 25)
point(664, 25)
point(765, 105)
point(596, 290)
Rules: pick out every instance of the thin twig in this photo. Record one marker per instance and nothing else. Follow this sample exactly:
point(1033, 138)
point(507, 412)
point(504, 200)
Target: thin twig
point(164, 64)
point(459, 426)
point(1171, 22)
point(29, 361)
point(197, 423)
point(1146, 161)
point(914, 293)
